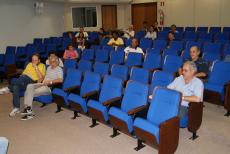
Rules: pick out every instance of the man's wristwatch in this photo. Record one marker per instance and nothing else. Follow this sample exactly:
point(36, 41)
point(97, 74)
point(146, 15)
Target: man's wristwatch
point(182, 97)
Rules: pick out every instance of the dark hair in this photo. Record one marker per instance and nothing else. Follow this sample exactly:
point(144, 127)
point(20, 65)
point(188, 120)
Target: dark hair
point(173, 25)
point(35, 54)
point(52, 52)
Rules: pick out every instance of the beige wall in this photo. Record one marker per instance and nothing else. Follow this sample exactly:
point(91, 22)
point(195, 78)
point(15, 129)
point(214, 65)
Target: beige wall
point(197, 12)
point(123, 16)
point(19, 24)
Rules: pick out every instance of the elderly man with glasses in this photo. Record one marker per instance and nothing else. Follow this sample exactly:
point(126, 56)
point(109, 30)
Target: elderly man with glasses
point(54, 75)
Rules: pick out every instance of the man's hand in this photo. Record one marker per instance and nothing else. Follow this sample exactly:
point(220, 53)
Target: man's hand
point(46, 83)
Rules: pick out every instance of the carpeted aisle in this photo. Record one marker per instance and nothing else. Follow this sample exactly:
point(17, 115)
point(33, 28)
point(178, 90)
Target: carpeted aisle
point(51, 133)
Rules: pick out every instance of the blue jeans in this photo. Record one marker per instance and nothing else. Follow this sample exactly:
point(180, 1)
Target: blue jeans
point(3, 145)
point(17, 86)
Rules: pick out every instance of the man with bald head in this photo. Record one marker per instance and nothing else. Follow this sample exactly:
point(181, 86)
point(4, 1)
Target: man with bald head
point(133, 48)
point(202, 66)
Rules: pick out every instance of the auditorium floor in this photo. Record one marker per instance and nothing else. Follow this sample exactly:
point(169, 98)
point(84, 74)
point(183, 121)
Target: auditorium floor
point(51, 133)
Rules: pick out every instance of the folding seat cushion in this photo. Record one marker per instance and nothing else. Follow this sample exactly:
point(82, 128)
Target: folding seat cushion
point(88, 54)
point(85, 65)
point(226, 50)
point(214, 30)
point(160, 44)
point(51, 48)
point(190, 36)
point(202, 29)
point(170, 51)
point(152, 50)
point(140, 34)
point(45, 99)
point(89, 88)
point(10, 50)
point(95, 47)
point(102, 55)
point(146, 43)
point(172, 63)
point(219, 76)
point(101, 68)
point(110, 95)
point(204, 36)
point(161, 127)
point(221, 37)
point(71, 83)
point(37, 41)
point(177, 45)
point(116, 57)
point(211, 57)
point(134, 99)
point(191, 29)
point(134, 59)
point(104, 41)
point(108, 47)
point(120, 71)
point(152, 61)
point(160, 79)
point(226, 29)
point(162, 35)
point(139, 75)
point(70, 63)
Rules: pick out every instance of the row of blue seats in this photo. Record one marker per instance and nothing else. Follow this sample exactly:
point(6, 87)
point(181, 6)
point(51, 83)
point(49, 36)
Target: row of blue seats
point(108, 103)
point(199, 29)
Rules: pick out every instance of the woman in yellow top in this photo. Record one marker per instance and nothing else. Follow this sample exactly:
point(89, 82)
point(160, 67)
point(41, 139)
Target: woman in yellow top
point(34, 72)
point(115, 41)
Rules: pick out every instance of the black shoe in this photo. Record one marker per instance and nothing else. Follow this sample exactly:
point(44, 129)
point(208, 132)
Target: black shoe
point(27, 117)
point(27, 111)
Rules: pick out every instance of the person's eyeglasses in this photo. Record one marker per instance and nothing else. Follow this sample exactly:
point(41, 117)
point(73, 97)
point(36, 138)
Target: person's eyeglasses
point(185, 70)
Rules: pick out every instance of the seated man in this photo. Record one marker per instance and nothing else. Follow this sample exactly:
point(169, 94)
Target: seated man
point(53, 54)
point(202, 66)
point(133, 48)
point(171, 38)
point(54, 75)
point(190, 86)
point(115, 41)
point(129, 33)
point(34, 72)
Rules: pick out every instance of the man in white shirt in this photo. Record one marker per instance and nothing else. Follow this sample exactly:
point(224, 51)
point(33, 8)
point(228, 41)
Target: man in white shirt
point(133, 48)
point(129, 33)
point(151, 34)
point(81, 30)
point(189, 85)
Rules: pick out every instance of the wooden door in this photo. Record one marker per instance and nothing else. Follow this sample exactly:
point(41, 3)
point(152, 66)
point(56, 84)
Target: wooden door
point(109, 17)
point(144, 12)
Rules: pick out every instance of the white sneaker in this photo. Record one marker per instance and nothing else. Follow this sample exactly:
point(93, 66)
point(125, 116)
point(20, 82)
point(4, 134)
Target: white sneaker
point(4, 90)
point(14, 112)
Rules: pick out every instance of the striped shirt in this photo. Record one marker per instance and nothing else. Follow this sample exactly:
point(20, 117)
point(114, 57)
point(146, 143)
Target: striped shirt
point(52, 74)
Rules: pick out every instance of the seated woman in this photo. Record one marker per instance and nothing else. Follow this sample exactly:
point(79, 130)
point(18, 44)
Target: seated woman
point(80, 41)
point(34, 73)
point(53, 54)
point(202, 66)
point(115, 41)
point(171, 37)
point(54, 75)
point(71, 53)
